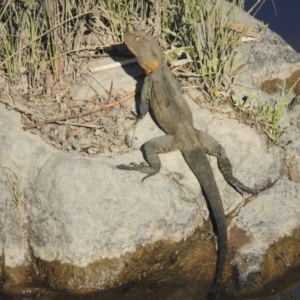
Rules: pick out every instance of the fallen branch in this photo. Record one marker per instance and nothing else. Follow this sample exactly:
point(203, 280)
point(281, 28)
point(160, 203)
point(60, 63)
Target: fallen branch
point(27, 112)
point(79, 115)
point(93, 69)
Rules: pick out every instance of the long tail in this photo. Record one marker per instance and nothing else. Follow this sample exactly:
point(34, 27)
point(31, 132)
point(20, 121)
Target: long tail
point(199, 164)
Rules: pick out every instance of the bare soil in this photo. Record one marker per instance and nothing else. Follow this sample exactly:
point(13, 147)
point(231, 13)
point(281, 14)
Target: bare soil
point(104, 122)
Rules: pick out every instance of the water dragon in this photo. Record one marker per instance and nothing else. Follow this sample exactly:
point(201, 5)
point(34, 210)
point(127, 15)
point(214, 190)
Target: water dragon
point(161, 92)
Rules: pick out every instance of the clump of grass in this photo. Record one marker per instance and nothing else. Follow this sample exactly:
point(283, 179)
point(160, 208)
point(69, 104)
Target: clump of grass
point(215, 44)
point(18, 195)
point(15, 185)
point(271, 113)
point(266, 116)
point(39, 37)
point(35, 33)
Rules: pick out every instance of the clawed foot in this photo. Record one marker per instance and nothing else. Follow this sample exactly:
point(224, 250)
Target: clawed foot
point(132, 166)
point(142, 167)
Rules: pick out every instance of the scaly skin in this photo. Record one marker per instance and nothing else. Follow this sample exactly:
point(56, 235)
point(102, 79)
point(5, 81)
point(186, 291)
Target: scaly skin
point(174, 116)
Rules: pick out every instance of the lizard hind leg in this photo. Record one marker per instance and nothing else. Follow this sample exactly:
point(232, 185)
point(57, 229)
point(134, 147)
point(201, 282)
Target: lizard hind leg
point(213, 147)
point(151, 149)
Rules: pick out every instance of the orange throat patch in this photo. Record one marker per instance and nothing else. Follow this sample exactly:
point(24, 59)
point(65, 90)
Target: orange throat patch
point(149, 65)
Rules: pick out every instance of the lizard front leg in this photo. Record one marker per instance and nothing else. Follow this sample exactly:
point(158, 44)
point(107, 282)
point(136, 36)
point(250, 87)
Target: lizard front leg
point(151, 149)
point(213, 147)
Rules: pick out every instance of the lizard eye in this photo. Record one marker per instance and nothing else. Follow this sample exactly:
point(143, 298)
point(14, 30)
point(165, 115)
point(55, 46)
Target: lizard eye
point(138, 38)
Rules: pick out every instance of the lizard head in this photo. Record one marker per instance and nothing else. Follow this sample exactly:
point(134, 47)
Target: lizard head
point(146, 50)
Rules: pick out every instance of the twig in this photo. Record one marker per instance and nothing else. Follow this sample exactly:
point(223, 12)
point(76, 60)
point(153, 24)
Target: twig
point(79, 115)
point(250, 31)
point(26, 112)
point(255, 4)
point(88, 125)
point(179, 63)
point(112, 65)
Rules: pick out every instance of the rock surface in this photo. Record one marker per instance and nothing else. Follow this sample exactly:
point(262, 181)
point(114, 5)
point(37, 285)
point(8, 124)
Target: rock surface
point(79, 222)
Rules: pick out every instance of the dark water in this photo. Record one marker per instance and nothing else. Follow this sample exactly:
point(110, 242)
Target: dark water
point(283, 17)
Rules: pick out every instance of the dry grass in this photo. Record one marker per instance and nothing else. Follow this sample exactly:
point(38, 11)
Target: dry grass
point(44, 43)
point(42, 39)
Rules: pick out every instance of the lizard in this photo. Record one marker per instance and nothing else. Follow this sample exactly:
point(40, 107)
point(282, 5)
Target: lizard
point(162, 95)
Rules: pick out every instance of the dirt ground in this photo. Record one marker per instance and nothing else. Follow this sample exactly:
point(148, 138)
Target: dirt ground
point(96, 122)
point(88, 112)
